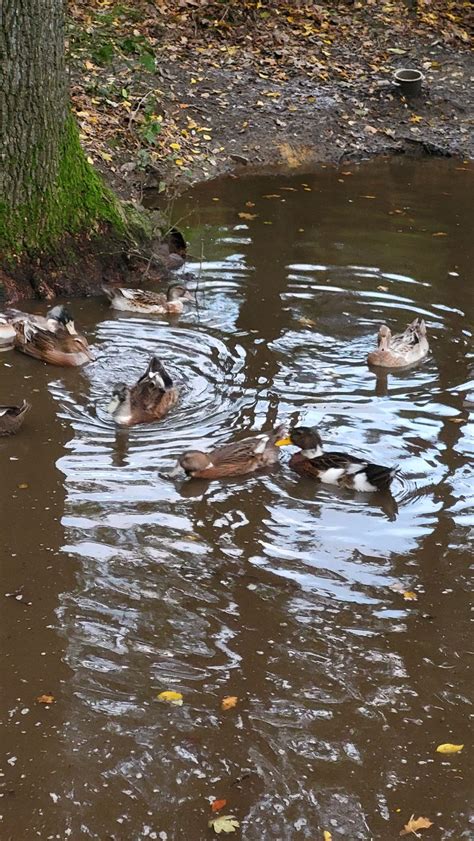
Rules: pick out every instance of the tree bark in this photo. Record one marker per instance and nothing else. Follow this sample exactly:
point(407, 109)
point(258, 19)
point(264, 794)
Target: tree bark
point(47, 188)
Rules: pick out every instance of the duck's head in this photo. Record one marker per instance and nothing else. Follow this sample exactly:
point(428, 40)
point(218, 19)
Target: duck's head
point(119, 396)
point(194, 461)
point(385, 334)
point(61, 315)
point(307, 438)
point(176, 291)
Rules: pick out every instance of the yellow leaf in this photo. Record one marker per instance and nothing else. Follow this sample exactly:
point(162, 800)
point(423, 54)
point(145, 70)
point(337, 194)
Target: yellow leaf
point(206, 137)
point(46, 699)
point(171, 697)
point(179, 162)
point(224, 823)
point(175, 146)
point(90, 160)
point(228, 702)
point(23, 485)
point(105, 156)
point(327, 836)
point(248, 215)
point(447, 748)
point(414, 824)
point(415, 118)
point(440, 234)
point(410, 596)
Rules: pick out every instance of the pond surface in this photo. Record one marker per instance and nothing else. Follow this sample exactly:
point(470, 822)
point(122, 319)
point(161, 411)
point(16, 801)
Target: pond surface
point(284, 593)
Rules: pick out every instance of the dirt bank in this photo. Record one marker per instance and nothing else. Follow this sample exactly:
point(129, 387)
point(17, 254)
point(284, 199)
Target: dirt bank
point(170, 94)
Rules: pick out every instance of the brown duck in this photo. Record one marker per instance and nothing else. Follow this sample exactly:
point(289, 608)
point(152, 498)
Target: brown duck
point(150, 399)
point(52, 338)
point(236, 459)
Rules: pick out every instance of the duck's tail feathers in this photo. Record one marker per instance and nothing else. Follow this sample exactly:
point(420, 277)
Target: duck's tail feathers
point(157, 372)
point(380, 477)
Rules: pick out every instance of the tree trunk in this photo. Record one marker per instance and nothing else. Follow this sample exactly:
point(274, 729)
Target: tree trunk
point(47, 188)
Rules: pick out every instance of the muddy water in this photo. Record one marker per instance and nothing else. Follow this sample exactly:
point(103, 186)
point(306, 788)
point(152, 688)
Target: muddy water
point(285, 594)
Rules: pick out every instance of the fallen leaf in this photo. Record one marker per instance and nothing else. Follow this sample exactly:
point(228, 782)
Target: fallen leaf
point(225, 823)
point(414, 824)
point(248, 215)
point(447, 748)
point(439, 234)
point(382, 288)
point(415, 118)
point(249, 204)
point(217, 805)
point(410, 596)
point(23, 485)
point(327, 835)
point(453, 420)
point(272, 196)
point(171, 697)
point(368, 197)
point(229, 702)
point(47, 698)
point(307, 322)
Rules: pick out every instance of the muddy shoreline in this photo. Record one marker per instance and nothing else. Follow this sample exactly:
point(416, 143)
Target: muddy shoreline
point(267, 94)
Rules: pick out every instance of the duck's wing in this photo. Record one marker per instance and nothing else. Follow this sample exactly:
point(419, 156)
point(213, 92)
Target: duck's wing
point(142, 298)
point(351, 472)
point(248, 449)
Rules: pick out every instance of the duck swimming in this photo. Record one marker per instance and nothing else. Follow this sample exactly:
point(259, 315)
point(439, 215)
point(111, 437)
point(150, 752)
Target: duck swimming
point(403, 348)
point(7, 333)
point(234, 459)
point(12, 417)
point(52, 338)
point(340, 469)
point(150, 399)
point(153, 303)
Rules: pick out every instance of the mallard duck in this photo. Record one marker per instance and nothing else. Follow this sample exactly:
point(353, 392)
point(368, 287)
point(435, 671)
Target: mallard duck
point(7, 333)
point(12, 417)
point(153, 303)
point(334, 468)
point(401, 349)
point(234, 459)
point(52, 338)
point(148, 400)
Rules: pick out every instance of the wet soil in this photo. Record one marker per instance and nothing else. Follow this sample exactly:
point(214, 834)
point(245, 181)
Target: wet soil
point(264, 85)
point(339, 620)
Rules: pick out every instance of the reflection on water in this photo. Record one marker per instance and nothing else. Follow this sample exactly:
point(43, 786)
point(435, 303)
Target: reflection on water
point(284, 593)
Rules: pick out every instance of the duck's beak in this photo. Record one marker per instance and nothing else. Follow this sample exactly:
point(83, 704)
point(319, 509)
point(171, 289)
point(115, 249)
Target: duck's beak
point(71, 328)
point(283, 442)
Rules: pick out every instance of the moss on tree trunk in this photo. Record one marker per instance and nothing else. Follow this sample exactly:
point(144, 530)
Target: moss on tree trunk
point(75, 200)
point(47, 187)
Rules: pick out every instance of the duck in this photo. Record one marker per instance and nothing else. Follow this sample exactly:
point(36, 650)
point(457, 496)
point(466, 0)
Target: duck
point(52, 338)
point(150, 399)
point(234, 459)
point(153, 303)
point(340, 469)
point(403, 348)
point(7, 333)
point(12, 417)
